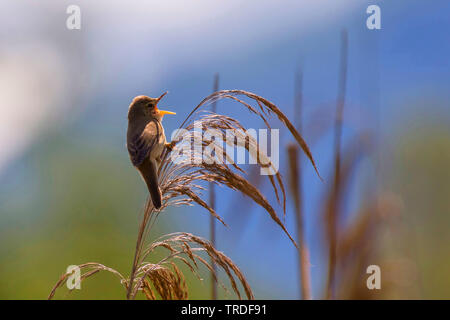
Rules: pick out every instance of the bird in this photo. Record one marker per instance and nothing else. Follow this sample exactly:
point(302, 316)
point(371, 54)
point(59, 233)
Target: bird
point(146, 141)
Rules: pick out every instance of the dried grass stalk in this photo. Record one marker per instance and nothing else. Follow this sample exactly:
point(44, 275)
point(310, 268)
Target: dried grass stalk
point(212, 203)
point(186, 248)
point(334, 199)
point(332, 216)
point(90, 269)
point(304, 263)
point(181, 180)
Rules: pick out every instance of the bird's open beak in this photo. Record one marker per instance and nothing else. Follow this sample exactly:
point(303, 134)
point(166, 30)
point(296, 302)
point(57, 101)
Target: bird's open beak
point(163, 112)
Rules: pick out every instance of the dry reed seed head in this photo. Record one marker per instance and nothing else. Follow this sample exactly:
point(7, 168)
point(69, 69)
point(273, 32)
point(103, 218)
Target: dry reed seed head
point(179, 178)
point(182, 243)
point(168, 282)
point(215, 172)
point(179, 186)
point(268, 106)
point(92, 268)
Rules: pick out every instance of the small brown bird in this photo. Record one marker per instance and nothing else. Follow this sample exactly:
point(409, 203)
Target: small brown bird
point(146, 141)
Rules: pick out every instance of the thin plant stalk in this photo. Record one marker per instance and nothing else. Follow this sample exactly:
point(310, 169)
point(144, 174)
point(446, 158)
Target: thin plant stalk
point(148, 214)
point(212, 204)
point(297, 190)
point(333, 208)
point(303, 253)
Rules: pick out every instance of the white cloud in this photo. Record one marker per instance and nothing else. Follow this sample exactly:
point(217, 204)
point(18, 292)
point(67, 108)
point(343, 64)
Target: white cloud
point(31, 82)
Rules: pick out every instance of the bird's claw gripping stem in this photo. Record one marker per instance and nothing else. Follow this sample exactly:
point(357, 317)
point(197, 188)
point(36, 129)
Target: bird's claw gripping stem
point(170, 145)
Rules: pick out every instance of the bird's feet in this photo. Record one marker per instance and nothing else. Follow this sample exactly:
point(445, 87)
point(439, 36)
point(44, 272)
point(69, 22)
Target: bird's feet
point(170, 145)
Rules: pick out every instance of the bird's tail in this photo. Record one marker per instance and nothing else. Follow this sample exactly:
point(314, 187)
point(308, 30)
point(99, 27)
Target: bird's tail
point(149, 173)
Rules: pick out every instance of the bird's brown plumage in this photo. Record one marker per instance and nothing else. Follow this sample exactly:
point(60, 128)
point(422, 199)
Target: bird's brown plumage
point(146, 141)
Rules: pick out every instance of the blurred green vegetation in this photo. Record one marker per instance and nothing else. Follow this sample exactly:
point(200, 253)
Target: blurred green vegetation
point(78, 203)
point(421, 176)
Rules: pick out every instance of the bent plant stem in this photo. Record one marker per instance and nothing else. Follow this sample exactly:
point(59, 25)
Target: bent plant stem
point(179, 181)
point(144, 226)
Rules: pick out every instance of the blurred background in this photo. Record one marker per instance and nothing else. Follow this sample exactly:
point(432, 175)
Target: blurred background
point(68, 192)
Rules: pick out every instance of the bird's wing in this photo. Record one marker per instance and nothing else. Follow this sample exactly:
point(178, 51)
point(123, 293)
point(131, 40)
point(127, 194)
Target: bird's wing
point(140, 145)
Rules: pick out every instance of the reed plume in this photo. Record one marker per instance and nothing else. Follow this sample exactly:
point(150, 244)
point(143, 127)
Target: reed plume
point(181, 179)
